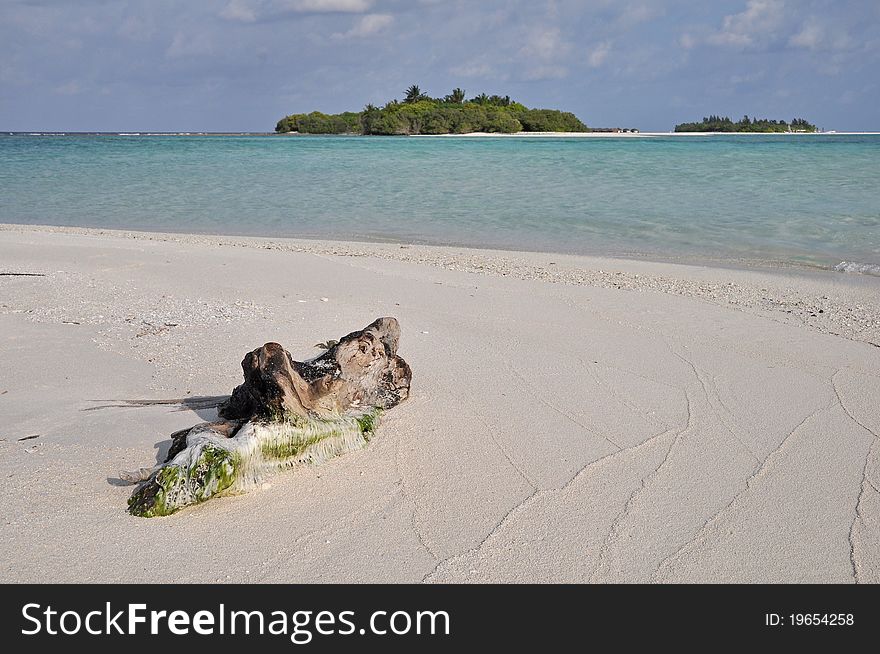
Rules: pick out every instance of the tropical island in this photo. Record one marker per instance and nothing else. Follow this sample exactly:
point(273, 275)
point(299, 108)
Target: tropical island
point(419, 113)
point(746, 124)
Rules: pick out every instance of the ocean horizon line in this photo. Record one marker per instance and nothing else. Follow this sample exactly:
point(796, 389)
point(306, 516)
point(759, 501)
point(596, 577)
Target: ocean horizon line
point(523, 134)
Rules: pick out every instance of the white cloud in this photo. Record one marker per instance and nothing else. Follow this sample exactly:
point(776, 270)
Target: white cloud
point(71, 88)
point(772, 23)
point(599, 54)
point(249, 11)
point(473, 69)
point(239, 10)
point(747, 78)
point(756, 24)
point(638, 13)
point(814, 35)
point(546, 44)
point(687, 41)
point(809, 37)
point(331, 6)
point(538, 73)
point(368, 25)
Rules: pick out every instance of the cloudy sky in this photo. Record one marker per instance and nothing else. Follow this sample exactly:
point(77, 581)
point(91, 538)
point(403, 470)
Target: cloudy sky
point(239, 65)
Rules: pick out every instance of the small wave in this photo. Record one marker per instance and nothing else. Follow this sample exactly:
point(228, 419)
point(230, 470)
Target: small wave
point(860, 268)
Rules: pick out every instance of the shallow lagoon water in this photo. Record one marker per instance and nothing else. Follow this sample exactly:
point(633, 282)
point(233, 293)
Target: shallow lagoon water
point(799, 199)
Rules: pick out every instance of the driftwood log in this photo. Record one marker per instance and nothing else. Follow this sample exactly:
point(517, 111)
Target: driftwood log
point(285, 413)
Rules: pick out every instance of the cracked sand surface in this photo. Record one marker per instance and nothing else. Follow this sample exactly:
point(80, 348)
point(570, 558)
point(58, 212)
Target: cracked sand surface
point(556, 432)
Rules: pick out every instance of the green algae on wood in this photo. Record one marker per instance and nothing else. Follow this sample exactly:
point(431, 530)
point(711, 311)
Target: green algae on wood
point(210, 472)
point(211, 465)
point(286, 413)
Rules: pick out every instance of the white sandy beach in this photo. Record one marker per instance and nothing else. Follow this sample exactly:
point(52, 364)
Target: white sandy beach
point(614, 135)
point(571, 418)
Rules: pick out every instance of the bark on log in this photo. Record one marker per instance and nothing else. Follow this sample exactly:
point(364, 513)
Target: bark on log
point(284, 414)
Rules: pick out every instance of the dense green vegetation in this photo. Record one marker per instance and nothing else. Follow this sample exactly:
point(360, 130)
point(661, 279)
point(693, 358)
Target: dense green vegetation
point(318, 123)
point(719, 124)
point(418, 113)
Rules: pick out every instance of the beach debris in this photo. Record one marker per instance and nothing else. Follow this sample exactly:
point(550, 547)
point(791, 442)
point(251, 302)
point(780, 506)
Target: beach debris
point(286, 413)
point(152, 329)
point(28, 438)
point(327, 345)
point(21, 274)
point(194, 403)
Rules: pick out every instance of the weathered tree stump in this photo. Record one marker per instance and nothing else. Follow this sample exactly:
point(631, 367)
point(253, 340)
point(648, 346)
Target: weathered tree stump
point(285, 413)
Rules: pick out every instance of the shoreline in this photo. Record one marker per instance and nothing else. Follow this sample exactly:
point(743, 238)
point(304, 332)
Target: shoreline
point(571, 418)
point(645, 134)
point(699, 260)
point(821, 299)
point(637, 134)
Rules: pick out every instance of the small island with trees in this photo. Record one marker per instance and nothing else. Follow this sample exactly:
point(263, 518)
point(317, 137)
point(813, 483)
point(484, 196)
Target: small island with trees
point(419, 113)
point(746, 124)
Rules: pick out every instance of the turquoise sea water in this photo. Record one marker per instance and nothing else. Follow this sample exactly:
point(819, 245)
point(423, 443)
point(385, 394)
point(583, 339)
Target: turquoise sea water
point(812, 199)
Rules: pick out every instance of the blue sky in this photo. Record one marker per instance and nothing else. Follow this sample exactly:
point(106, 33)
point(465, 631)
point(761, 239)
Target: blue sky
point(239, 65)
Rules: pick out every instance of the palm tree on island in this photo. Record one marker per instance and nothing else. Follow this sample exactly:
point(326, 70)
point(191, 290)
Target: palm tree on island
point(456, 97)
point(419, 113)
point(413, 94)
